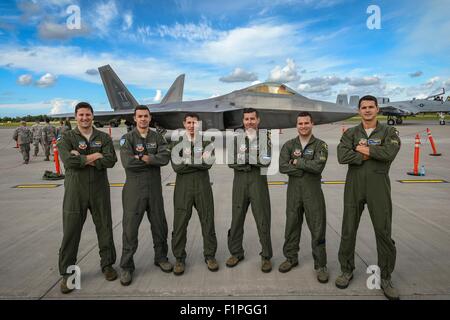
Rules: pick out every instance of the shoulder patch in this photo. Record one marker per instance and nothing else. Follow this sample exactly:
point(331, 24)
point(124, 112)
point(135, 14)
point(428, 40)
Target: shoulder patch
point(122, 141)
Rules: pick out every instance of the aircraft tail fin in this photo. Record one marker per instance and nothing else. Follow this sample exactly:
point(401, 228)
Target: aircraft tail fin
point(342, 100)
point(354, 100)
point(175, 93)
point(118, 95)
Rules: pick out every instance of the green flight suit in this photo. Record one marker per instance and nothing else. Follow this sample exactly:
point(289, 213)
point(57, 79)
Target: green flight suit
point(86, 187)
point(368, 183)
point(143, 193)
point(250, 187)
point(192, 189)
point(305, 196)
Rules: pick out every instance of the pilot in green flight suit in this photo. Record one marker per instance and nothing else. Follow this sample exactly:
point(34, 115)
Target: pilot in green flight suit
point(143, 152)
point(87, 153)
point(368, 149)
point(250, 187)
point(193, 189)
point(303, 159)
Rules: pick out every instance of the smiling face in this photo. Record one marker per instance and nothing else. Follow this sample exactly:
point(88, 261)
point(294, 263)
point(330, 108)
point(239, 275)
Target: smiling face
point(84, 118)
point(142, 118)
point(190, 124)
point(251, 121)
point(304, 126)
point(368, 110)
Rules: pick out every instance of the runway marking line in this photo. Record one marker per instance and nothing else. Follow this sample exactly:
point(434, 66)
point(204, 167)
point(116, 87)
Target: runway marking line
point(37, 186)
point(423, 181)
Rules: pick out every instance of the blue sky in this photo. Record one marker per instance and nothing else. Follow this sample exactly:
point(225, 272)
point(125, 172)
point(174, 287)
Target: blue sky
point(319, 48)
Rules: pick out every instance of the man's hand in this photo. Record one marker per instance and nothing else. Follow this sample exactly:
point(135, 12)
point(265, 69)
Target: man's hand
point(75, 152)
point(364, 151)
point(146, 159)
point(91, 158)
point(293, 162)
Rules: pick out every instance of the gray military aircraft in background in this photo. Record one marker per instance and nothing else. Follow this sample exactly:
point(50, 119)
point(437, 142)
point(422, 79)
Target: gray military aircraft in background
point(277, 104)
point(397, 110)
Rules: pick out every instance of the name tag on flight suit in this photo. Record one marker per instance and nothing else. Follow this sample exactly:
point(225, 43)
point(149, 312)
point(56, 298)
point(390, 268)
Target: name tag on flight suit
point(374, 142)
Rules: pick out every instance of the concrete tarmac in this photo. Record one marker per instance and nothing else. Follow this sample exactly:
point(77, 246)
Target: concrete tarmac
point(31, 233)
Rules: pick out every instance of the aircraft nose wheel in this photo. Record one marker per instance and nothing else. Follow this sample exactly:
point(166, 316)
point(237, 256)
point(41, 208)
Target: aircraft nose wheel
point(398, 121)
point(442, 122)
point(390, 122)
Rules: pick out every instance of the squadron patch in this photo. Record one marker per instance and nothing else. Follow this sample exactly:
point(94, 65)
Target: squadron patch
point(96, 144)
point(297, 152)
point(139, 147)
point(151, 145)
point(309, 152)
point(122, 141)
point(82, 145)
point(325, 146)
point(374, 142)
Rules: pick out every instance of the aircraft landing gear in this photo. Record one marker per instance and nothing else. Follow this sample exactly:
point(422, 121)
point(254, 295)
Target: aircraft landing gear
point(390, 121)
point(98, 124)
point(398, 120)
point(442, 119)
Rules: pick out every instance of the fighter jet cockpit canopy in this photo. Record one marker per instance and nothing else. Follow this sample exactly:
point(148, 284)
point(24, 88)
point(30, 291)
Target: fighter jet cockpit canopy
point(274, 88)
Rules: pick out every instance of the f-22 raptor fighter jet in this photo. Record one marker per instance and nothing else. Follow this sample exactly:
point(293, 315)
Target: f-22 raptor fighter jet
point(277, 104)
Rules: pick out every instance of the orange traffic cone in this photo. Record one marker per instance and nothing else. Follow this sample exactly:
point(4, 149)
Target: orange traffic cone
point(433, 146)
point(416, 157)
point(56, 157)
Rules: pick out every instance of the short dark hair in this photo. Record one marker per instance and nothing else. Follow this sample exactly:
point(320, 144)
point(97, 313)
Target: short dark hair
point(251, 110)
point(141, 107)
point(82, 105)
point(368, 98)
point(191, 115)
point(305, 114)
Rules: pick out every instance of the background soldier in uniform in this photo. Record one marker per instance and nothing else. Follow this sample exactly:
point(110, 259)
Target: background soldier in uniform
point(61, 129)
point(36, 130)
point(193, 188)
point(48, 133)
point(250, 187)
point(369, 150)
point(23, 137)
point(86, 153)
point(303, 159)
point(143, 152)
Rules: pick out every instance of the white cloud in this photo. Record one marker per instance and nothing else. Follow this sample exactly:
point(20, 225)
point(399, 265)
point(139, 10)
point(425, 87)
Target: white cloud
point(431, 82)
point(73, 62)
point(47, 80)
point(127, 21)
point(239, 75)
point(59, 105)
point(105, 13)
point(308, 88)
point(416, 74)
point(92, 72)
point(50, 30)
point(247, 44)
point(189, 31)
point(158, 96)
point(25, 80)
point(364, 81)
point(285, 74)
